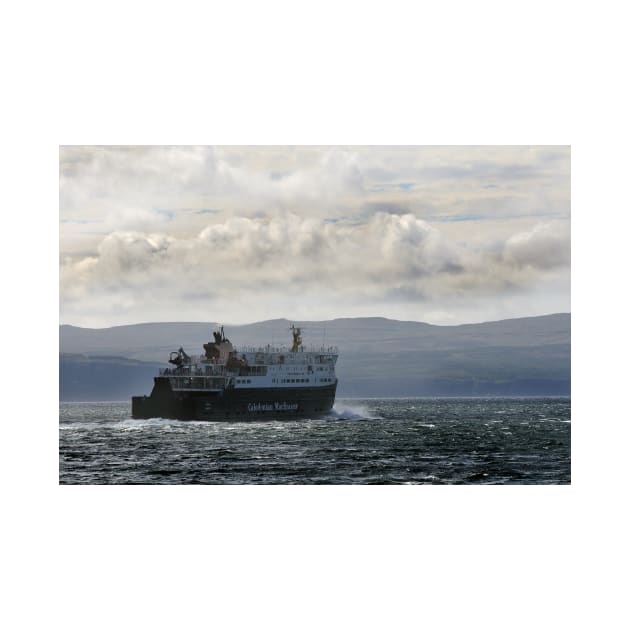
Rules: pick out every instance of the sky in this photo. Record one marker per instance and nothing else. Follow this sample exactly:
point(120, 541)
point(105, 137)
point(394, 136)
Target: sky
point(236, 234)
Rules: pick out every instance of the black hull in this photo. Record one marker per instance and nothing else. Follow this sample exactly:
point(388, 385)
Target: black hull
point(234, 404)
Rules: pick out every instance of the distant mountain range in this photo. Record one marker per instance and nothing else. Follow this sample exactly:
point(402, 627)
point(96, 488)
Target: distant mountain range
point(378, 356)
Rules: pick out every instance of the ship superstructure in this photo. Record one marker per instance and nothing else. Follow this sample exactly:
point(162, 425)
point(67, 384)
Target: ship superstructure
point(228, 383)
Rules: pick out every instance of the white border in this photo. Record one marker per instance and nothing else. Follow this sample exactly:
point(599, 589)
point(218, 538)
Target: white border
point(344, 73)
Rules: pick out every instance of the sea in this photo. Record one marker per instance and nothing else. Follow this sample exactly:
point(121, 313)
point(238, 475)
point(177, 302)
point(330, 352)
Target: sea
point(362, 441)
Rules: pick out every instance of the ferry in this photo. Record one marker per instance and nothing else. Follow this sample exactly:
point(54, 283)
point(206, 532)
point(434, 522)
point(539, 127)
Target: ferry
point(227, 384)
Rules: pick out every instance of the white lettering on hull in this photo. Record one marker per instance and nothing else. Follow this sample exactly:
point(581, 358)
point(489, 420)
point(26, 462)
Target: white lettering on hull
point(276, 406)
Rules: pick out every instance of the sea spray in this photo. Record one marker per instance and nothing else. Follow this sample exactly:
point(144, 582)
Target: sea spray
point(346, 411)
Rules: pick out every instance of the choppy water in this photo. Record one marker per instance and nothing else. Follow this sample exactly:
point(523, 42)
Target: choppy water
point(435, 441)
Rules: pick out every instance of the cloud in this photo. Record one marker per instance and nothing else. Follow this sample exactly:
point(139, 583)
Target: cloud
point(140, 188)
point(389, 257)
point(545, 246)
point(151, 233)
point(94, 181)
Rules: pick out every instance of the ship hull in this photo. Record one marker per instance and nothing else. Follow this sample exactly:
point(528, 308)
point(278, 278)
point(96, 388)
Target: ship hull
point(234, 404)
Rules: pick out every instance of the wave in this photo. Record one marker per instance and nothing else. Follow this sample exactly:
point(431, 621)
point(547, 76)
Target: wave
point(344, 411)
point(138, 424)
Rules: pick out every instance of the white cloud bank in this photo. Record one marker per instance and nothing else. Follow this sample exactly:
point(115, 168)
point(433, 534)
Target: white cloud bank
point(236, 234)
point(246, 268)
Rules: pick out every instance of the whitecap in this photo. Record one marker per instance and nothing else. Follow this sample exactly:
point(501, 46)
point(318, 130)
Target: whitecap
point(351, 412)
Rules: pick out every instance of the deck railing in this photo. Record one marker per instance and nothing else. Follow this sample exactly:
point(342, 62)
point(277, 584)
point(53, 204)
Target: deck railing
point(197, 382)
point(256, 357)
point(286, 350)
point(217, 369)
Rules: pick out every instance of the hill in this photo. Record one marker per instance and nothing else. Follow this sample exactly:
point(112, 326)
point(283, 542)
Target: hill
point(378, 356)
